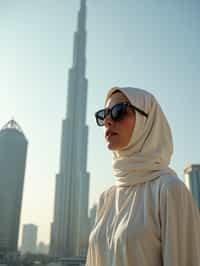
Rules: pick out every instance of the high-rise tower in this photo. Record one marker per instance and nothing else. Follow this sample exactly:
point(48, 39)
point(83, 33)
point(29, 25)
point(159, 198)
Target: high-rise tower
point(69, 234)
point(192, 181)
point(29, 238)
point(13, 150)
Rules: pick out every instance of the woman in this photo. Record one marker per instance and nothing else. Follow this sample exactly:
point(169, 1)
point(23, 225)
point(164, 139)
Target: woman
point(148, 218)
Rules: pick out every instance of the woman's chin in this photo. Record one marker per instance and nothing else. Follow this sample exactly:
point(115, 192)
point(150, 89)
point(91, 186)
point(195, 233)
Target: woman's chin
point(112, 146)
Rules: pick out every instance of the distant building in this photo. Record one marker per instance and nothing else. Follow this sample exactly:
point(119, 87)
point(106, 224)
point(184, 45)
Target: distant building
point(53, 264)
point(78, 261)
point(29, 238)
point(69, 237)
point(192, 181)
point(42, 248)
point(52, 239)
point(13, 151)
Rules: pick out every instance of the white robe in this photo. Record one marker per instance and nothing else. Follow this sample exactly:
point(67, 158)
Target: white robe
point(155, 223)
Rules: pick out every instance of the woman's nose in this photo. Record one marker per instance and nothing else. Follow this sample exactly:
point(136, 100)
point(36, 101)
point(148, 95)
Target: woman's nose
point(108, 121)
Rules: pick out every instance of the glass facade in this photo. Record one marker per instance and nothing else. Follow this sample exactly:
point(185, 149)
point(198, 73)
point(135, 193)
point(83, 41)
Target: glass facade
point(192, 181)
point(13, 150)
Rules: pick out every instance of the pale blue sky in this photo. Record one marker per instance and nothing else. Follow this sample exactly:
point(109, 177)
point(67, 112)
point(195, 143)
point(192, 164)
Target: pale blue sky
point(149, 44)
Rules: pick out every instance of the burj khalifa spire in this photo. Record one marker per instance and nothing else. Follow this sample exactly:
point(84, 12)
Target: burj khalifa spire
point(69, 235)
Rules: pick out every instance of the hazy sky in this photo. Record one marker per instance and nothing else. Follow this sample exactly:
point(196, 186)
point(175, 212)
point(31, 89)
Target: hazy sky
point(149, 44)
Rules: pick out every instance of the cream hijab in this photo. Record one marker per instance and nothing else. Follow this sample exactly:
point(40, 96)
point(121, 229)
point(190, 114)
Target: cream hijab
point(148, 154)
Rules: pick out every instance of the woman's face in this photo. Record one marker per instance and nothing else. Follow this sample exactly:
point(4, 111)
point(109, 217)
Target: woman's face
point(118, 133)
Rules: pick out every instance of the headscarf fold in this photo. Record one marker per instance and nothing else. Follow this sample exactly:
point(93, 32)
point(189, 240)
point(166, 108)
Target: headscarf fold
point(148, 153)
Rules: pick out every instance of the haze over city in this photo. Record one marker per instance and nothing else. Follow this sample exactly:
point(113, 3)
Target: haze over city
point(142, 44)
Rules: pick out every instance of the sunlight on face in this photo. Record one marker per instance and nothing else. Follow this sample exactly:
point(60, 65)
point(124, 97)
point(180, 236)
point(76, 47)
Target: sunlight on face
point(118, 133)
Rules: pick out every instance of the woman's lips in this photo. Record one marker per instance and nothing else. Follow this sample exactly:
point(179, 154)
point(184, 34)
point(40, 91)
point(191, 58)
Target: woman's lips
point(109, 134)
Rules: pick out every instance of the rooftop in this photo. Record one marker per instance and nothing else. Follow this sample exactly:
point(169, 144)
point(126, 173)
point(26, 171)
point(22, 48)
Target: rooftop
point(12, 124)
point(191, 168)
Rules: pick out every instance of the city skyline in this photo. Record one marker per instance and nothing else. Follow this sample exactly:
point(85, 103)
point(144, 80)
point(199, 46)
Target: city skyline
point(127, 45)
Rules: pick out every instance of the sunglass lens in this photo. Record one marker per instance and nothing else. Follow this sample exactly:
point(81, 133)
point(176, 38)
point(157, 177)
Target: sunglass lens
point(100, 116)
point(118, 111)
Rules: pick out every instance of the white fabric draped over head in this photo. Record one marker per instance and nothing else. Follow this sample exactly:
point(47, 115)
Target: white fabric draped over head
point(148, 154)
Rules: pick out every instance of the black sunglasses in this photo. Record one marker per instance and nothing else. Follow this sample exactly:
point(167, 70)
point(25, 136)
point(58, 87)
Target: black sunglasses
point(117, 112)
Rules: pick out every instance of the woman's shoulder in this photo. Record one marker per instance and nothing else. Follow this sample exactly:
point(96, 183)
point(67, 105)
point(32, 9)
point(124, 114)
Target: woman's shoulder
point(168, 182)
point(172, 187)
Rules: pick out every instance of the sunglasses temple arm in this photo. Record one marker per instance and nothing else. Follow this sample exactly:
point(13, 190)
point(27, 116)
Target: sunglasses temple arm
point(140, 111)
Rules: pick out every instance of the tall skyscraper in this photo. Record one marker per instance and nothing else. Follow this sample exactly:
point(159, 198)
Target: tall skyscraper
point(29, 238)
point(69, 236)
point(13, 151)
point(192, 181)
